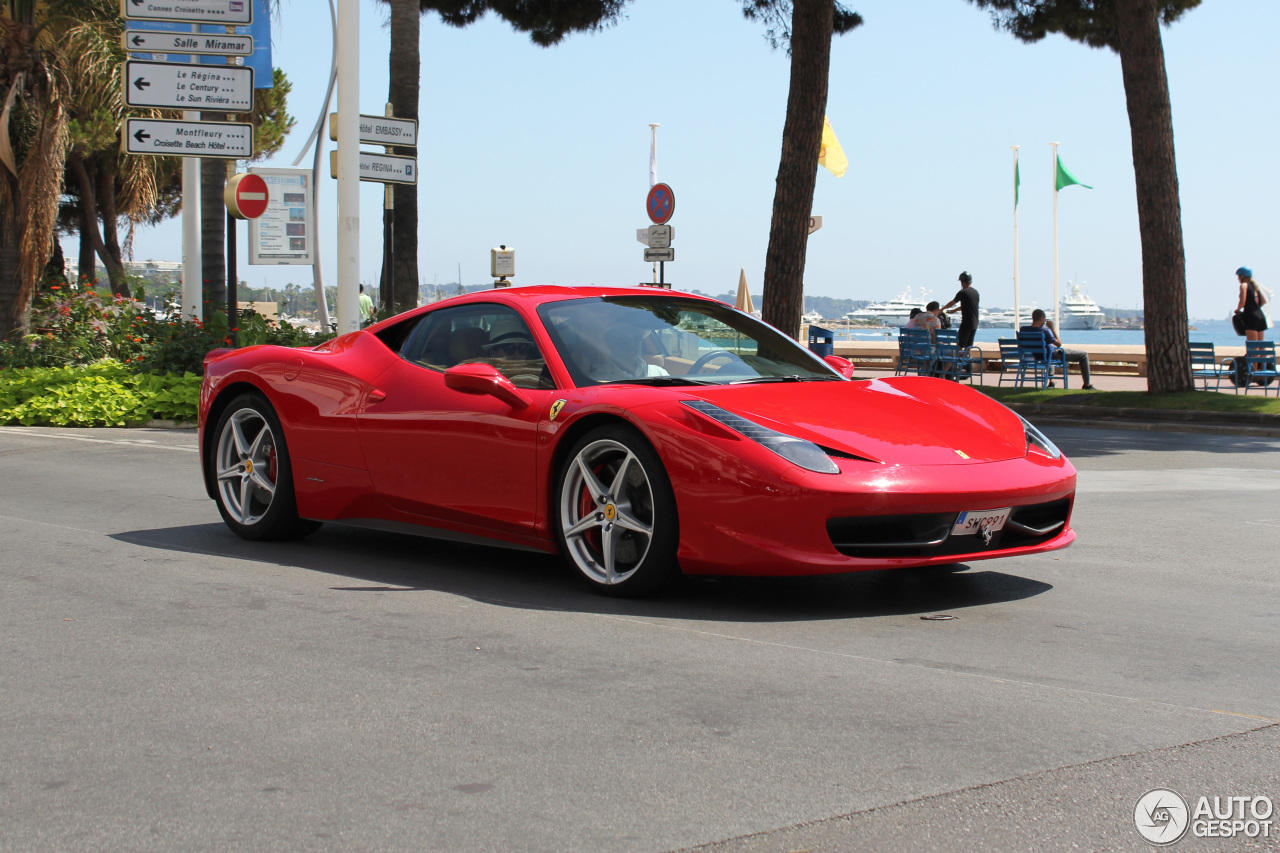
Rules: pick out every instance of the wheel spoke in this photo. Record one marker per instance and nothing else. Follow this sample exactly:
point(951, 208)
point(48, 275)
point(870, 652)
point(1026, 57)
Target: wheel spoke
point(582, 526)
point(231, 473)
point(237, 435)
point(607, 538)
point(594, 486)
point(257, 442)
point(627, 522)
point(620, 478)
point(245, 492)
point(262, 482)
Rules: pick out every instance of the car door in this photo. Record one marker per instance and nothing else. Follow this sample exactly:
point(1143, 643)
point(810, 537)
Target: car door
point(464, 459)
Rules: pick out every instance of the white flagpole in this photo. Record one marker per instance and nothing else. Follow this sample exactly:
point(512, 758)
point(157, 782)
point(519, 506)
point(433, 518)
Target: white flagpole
point(1057, 321)
point(653, 172)
point(1016, 312)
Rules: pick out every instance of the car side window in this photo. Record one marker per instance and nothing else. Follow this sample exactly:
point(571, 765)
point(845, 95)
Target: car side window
point(480, 334)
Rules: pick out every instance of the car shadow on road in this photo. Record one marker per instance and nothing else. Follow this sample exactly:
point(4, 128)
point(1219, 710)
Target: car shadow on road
point(365, 561)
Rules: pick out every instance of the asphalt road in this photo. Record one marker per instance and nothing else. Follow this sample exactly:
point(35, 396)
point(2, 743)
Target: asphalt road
point(165, 686)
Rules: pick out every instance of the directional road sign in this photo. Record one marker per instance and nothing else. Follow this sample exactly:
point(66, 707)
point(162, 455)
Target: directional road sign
point(167, 138)
point(192, 11)
point(160, 41)
point(246, 196)
point(815, 222)
point(660, 203)
point(382, 168)
point(177, 85)
point(381, 130)
point(660, 254)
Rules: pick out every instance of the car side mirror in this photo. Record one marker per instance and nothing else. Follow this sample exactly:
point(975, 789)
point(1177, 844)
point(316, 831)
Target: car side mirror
point(480, 378)
point(842, 365)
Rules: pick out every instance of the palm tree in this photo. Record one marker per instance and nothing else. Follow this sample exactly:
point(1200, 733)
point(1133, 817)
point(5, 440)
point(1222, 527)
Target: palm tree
point(33, 142)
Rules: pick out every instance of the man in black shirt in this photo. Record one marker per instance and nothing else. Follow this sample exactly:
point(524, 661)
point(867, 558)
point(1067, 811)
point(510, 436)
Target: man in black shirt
point(967, 299)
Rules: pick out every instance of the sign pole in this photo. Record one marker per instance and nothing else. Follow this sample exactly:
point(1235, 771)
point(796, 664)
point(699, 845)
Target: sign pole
point(192, 275)
point(348, 161)
point(653, 169)
point(1017, 310)
point(233, 283)
point(389, 238)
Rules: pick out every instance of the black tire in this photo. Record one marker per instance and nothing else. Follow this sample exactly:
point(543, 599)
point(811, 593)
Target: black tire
point(619, 537)
point(256, 504)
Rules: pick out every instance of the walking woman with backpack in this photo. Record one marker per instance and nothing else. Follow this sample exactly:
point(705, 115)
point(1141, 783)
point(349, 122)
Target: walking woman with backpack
point(1250, 307)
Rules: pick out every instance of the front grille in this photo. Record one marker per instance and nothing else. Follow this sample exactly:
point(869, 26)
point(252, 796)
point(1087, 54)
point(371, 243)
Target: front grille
point(928, 534)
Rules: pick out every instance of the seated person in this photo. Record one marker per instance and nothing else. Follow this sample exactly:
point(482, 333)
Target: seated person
point(1040, 323)
point(927, 319)
point(515, 355)
point(616, 355)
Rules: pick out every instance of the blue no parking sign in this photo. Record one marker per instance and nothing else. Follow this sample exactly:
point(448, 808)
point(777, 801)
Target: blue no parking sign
point(660, 204)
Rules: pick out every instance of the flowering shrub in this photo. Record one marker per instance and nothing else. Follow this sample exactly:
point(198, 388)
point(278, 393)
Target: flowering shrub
point(102, 394)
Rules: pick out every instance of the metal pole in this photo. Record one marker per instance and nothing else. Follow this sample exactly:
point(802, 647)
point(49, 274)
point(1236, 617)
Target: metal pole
point(233, 283)
point(389, 236)
point(317, 271)
point(1017, 313)
point(348, 39)
point(192, 267)
point(653, 174)
point(1057, 321)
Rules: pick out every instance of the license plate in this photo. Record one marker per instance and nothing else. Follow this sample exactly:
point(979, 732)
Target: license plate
point(975, 521)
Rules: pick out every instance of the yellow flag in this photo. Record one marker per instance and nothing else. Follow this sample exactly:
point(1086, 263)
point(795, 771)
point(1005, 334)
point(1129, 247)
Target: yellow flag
point(832, 155)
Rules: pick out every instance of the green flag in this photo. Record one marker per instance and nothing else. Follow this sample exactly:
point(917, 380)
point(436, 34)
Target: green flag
point(1017, 182)
point(1066, 179)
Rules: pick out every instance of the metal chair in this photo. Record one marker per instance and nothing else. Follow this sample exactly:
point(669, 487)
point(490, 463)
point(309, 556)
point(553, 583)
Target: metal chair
point(1008, 361)
point(1205, 366)
point(915, 352)
point(955, 362)
point(1259, 366)
point(1037, 361)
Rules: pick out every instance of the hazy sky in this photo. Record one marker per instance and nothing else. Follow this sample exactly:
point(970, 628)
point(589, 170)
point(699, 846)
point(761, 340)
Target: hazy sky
point(546, 150)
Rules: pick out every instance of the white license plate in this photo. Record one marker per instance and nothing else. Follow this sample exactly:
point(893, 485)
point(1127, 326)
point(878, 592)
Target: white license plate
point(972, 522)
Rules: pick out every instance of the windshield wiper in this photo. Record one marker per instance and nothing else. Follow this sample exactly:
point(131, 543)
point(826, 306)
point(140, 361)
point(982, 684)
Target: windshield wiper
point(793, 377)
point(660, 380)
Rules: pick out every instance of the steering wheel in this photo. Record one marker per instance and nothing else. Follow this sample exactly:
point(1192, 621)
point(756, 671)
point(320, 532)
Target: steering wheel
point(702, 362)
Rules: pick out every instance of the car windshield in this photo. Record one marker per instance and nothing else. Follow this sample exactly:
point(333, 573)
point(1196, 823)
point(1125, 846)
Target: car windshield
point(669, 340)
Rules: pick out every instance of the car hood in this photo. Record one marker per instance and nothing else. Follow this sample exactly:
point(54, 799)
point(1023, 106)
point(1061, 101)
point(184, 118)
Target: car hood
point(901, 420)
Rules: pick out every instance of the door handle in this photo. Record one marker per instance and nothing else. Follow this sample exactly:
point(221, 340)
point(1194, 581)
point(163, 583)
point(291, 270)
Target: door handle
point(376, 396)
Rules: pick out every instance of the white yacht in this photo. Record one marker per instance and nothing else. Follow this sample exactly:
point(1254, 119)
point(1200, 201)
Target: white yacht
point(813, 318)
point(1079, 311)
point(1004, 319)
point(895, 312)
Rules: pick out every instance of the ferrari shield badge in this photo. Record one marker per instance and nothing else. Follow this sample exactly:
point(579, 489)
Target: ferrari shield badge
point(556, 407)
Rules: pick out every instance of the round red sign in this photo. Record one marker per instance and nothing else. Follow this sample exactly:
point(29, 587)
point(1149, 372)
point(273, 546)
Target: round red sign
point(246, 196)
point(660, 203)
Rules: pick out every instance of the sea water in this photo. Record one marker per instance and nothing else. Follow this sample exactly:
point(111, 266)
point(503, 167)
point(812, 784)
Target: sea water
point(1217, 332)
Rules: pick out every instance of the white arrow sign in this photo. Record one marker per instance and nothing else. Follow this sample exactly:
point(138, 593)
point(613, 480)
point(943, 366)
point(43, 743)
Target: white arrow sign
point(191, 11)
point(381, 130)
point(176, 85)
point(159, 41)
point(659, 254)
point(166, 138)
point(382, 168)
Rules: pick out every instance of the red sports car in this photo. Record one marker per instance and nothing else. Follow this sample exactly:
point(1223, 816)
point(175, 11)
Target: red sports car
point(639, 432)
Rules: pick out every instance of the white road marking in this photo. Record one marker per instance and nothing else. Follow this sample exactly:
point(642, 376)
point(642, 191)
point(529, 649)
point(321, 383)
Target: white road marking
point(148, 443)
point(1180, 480)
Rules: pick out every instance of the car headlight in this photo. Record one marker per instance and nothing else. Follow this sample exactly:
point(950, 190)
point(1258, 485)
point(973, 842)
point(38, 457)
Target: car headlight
point(806, 454)
point(1039, 439)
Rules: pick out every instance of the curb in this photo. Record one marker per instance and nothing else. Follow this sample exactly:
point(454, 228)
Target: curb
point(1214, 423)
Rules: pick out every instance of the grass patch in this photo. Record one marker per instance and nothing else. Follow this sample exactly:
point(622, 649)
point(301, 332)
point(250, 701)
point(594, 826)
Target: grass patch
point(1195, 401)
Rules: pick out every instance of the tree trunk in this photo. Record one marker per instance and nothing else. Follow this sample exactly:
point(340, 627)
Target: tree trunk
point(811, 30)
point(55, 271)
point(110, 233)
point(213, 231)
point(87, 269)
point(404, 64)
point(1164, 271)
point(13, 308)
point(88, 200)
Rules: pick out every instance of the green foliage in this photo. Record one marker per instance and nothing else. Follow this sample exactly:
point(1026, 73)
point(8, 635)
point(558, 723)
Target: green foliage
point(776, 17)
point(1092, 22)
point(272, 121)
point(546, 23)
point(102, 394)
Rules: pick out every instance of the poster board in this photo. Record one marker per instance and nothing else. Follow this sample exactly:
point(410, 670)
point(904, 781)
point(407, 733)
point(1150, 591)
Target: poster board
point(286, 233)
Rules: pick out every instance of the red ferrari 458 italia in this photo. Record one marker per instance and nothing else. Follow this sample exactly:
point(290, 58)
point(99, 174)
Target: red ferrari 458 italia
point(641, 433)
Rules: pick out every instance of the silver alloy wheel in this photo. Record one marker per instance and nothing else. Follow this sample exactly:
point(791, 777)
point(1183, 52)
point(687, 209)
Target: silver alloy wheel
point(607, 512)
point(247, 466)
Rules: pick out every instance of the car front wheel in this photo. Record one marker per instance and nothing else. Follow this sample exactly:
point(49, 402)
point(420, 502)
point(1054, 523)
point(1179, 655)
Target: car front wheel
point(616, 513)
point(254, 478)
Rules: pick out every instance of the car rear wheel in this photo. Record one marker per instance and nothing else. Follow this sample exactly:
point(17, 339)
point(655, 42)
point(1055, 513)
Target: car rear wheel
point(254, 478)
point(616, 513)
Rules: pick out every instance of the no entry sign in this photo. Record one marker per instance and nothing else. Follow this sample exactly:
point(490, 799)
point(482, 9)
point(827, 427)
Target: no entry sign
point(660, 204)
point(246, 196)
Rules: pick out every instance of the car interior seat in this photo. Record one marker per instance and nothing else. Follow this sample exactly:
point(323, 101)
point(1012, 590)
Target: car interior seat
point(467, 344)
